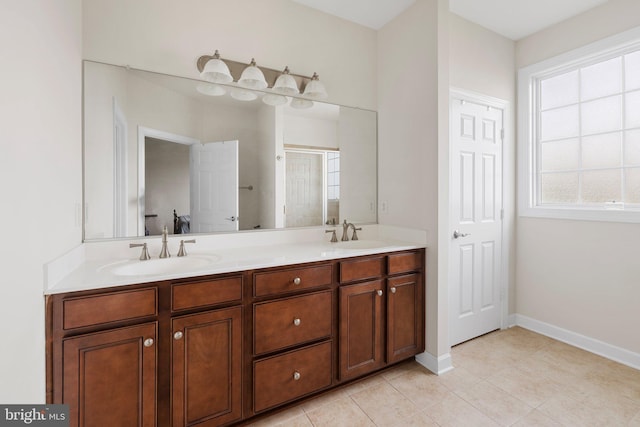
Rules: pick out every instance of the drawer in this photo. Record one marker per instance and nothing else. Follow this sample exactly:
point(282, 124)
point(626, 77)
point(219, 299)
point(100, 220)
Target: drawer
point(360, 269)
point(292, 279)
point(291, 321)
point(404, 262)
point(110, 307)
point(291, 375)
point(209, 292)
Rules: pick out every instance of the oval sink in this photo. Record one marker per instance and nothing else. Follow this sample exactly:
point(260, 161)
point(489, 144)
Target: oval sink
point(361, 244)
point(160, 266)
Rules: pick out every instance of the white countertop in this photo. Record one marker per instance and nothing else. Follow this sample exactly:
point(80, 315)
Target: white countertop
point(107, 271)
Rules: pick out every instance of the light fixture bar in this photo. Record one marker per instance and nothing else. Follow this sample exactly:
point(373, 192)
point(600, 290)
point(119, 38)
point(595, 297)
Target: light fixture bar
point(270, 74)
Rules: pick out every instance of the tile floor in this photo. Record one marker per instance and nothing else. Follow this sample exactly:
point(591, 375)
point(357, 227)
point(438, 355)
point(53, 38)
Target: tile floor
point(513, 377)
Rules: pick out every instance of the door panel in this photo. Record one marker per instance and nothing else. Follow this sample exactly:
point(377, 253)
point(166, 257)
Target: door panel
point(476, 202)
point(214, 187)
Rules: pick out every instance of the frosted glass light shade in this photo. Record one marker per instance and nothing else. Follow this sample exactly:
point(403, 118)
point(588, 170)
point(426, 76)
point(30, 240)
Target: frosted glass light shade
point(301, 104)
point(274, 100)
point(216, 71)
point(210, 89)
point(243, 95)
point(286, 84)
point(252, 77)
point(315, 89)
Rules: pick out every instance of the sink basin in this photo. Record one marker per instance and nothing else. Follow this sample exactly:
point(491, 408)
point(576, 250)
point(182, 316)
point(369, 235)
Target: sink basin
point(361, 244)
point(160, 266)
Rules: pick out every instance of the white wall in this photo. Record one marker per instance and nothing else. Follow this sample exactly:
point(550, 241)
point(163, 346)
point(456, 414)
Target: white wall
point(580, 275)
point(407, 134)
point(169, 37)
point(40, 175)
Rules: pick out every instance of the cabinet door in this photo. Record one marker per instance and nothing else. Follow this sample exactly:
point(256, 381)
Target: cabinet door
point(361, 328)
point(110, 377)
point(405, 333)
point(206, 384)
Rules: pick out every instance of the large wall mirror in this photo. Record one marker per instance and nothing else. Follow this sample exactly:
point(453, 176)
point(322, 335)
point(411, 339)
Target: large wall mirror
point(169, 151)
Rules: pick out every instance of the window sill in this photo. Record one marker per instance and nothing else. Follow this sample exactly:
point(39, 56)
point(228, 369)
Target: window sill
point(629, 216)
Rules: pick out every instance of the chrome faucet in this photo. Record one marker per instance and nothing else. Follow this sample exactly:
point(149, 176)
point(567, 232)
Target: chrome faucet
point(145, 252)
point(345, 231)
point(164, 252)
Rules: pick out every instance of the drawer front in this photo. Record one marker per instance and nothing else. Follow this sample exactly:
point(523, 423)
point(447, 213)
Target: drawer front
point(291, 280)
point(199, 294)
point(404, 262)
point(111, 307)
point(361, 269)
point(292, 375)
point(286, 322)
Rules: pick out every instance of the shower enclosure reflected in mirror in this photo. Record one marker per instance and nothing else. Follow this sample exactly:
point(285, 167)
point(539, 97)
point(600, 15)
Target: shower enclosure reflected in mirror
point(160, 152)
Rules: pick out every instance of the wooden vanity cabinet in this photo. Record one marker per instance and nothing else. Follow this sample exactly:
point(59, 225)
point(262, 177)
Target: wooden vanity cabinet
point(381, 320)
point(219, 350)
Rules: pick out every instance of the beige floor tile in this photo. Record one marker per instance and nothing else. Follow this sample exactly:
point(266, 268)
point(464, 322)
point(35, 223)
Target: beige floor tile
point(457, 379)
point(384, 404)
point(482, 361)
point(341, 412)
point(570, 412)
point(616, 409)
point(527, 386)
point(421, 419)
point(617, 378)
point(495, 403)
point(422, 388)
point(358, 386)
point(453, 411)
point(401, 369)
point(536, 418)
point(323, 400)
point(291, 417)
point(635, 422)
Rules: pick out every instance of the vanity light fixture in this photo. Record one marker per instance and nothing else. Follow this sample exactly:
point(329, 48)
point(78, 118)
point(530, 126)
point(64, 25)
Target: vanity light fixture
point(315, 89)
point(215, 70)
point(250, 76)
point(210, 89)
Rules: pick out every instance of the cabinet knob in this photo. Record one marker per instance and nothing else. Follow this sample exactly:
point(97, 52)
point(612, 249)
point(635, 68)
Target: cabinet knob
point(177, 335)
point(296, 376)
point(393, 289)
point(379, 292)
point(297, 321)
point(148, 342)
point(297, 281)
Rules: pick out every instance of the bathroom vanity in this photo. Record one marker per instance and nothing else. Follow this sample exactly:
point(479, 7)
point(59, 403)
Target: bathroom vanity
point(217, 349)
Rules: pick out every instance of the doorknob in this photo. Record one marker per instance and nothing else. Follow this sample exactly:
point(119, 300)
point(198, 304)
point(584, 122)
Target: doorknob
point(232, 219)
point(457, 234)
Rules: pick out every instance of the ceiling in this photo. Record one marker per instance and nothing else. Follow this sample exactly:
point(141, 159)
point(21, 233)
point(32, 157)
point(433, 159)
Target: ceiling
point(513, 19)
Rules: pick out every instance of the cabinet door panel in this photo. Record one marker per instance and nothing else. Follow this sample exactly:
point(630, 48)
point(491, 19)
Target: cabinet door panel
point(361, 328)
point(404, 319)
point(110, 377)
point(206, 364)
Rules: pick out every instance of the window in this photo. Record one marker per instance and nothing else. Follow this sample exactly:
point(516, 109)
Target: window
point(333, 175)
point(579, 133)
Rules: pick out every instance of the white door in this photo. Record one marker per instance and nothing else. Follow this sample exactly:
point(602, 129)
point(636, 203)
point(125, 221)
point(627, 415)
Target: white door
point(476, 224)
point(214, 187)
point(304, 189)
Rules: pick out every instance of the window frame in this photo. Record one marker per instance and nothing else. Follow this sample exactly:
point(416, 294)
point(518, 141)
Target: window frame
point(528, 149)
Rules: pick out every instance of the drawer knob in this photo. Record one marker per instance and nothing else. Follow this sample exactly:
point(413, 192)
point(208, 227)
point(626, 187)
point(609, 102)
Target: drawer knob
point(177, 335)
point(297, 321)
point(379, 292)
point(148, 342)
point(393, 289)
point(297, 281)
point(296, 376)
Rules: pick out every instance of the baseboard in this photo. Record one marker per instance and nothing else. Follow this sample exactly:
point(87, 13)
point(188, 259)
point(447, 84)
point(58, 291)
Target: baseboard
point(601, 348)
point(437, 365)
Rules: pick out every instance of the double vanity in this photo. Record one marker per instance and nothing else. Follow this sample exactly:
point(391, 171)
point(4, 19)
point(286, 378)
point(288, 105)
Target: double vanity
point(223, 335)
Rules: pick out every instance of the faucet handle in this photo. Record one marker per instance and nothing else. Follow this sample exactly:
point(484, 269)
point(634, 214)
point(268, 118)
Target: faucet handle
point(182, 251)
point(354, 236)
point(334, 238)
point(145, 252)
